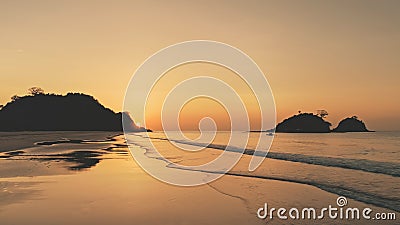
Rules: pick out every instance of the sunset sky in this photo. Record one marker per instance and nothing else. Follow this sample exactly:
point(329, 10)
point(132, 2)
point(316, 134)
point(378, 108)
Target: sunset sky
point(342, 56)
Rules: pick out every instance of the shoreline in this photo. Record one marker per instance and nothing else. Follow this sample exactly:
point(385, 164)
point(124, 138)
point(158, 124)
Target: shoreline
point(117, 190)
point(39, 136)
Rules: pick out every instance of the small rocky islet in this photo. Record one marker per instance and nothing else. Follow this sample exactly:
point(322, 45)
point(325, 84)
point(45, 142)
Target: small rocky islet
point(315, 123)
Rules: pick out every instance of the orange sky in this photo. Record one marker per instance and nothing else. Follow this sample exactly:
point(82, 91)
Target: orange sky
point(342, 56)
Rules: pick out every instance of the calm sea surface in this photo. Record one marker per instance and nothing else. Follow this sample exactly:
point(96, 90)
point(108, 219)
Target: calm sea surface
point(362, 166)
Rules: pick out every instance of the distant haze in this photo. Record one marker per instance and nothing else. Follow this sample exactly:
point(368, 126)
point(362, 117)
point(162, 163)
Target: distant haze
point(342, 56)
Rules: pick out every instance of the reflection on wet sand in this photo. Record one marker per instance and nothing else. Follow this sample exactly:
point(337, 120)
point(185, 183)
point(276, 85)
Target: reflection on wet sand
point(95, 181)
point(15, 192)
point(83, 155)
point(49, 158)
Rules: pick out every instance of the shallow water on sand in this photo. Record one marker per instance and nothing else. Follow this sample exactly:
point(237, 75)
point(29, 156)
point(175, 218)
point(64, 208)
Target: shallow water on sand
point(362, 166)
point(97, 182)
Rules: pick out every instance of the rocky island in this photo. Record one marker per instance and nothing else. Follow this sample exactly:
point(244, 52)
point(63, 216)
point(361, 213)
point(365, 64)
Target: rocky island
point(351, 124)
point(304, 123)
point(315, 123)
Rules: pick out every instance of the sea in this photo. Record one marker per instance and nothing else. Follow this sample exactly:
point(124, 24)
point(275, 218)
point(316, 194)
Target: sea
point(360, 166)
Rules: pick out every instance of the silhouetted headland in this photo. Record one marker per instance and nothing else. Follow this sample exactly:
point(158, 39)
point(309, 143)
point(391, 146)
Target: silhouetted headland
point(71, 112)
point(351, 124)
point(304, 123)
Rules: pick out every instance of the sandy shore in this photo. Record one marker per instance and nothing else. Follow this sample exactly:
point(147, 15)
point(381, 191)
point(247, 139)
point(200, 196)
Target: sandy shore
point(98, 182)
point(14, 141)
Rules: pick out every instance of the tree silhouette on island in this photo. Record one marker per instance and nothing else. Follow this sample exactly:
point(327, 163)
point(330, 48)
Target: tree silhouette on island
point(38, 111)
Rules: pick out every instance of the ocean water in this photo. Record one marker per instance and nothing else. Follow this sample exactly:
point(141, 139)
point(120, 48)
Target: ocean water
point(360, 166)
point(98, 181)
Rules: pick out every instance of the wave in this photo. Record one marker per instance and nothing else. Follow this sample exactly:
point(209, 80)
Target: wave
point(380, 201)
point(387, 168)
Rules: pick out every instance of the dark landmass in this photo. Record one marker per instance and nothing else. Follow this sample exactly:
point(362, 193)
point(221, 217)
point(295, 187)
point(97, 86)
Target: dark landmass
point(71, 112)
point(304, 123)
point(315, 123)
point(351, 124)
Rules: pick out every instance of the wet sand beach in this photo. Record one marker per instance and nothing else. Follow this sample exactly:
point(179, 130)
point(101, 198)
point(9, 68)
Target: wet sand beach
point(94, 180)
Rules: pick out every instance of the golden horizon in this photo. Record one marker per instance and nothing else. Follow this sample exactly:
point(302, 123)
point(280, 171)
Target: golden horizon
point(314, 55)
